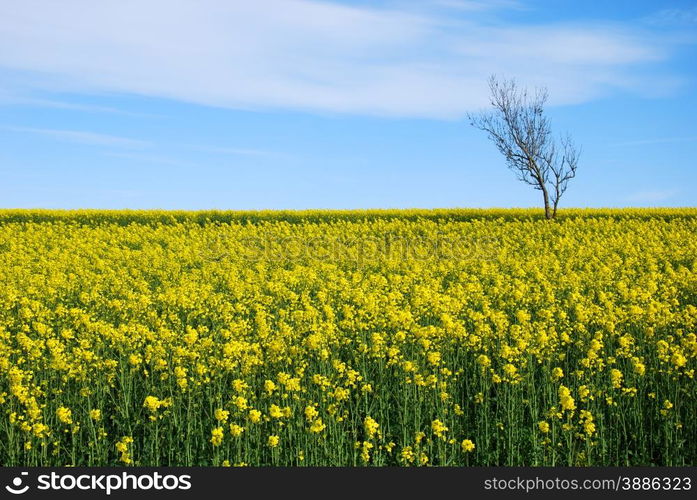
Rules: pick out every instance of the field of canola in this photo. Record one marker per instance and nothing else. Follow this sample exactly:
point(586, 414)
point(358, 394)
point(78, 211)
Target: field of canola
point(462, 337)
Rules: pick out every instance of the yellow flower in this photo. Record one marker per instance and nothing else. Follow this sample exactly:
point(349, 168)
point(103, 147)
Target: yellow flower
point(371, 426)
point(484, 360)
point(64, 415)
point(407, 454)
point(191, 336)
point(153, 404)
point(122, 447)
point(365, 451)
point(543, 426)
point(467, 446)
point(678, 360)
point(96, 415)
point(40, 430)
point(567, 402)
point(439, 428)
point(616, 378)
point(639, 367)
point(273, 441)
point(311, 412)
point(221, 415)
point(275, 411)
point(239, 386)
point(217, 436)
point(510, 370)
point(433, 358)
point(584, 392)
point(269, 386)
point(341, 394)
point(317, 426)
point(589, 427)
point(254, 416)
point(587, 422)
point(236, 430)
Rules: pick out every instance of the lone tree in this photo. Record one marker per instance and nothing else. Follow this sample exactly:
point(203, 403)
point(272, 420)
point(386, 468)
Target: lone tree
point(522, 134)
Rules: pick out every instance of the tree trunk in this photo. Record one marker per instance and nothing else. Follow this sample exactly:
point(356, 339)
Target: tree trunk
point(548, 210)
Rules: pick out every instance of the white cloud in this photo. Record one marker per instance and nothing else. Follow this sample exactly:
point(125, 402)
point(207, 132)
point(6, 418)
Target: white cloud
point(145, 158)
point(236, 151)
point(680, 17)
point(82, 137)
point(310, 55)
point(657, 140)
point(34, 102)
point(477, 5)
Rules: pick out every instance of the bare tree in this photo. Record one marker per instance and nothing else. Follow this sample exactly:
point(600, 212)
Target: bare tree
point(522, 133)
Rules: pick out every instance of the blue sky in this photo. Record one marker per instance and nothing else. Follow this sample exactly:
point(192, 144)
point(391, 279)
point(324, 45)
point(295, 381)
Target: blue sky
point(346, 104)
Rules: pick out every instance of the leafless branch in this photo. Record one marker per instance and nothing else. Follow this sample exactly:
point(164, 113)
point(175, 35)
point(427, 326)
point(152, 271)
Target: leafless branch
point(522, 133)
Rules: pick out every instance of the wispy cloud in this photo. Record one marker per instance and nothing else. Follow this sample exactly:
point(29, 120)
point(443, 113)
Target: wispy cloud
point(477, 5)
point(673, 17)
point(316, 55)
point(235, 151)
point(82, 137)
point(145, 158)
point(657, 140)
point(70, 106)
point(652, 196)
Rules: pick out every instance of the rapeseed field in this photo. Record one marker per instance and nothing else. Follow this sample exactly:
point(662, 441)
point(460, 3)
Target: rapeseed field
point(380, 338)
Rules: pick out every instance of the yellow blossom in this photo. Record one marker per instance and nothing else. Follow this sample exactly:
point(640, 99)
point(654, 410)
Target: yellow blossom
point(467, 446)
point(217, 436)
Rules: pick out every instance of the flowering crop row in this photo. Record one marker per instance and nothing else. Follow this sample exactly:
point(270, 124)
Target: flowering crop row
point(348, 338)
